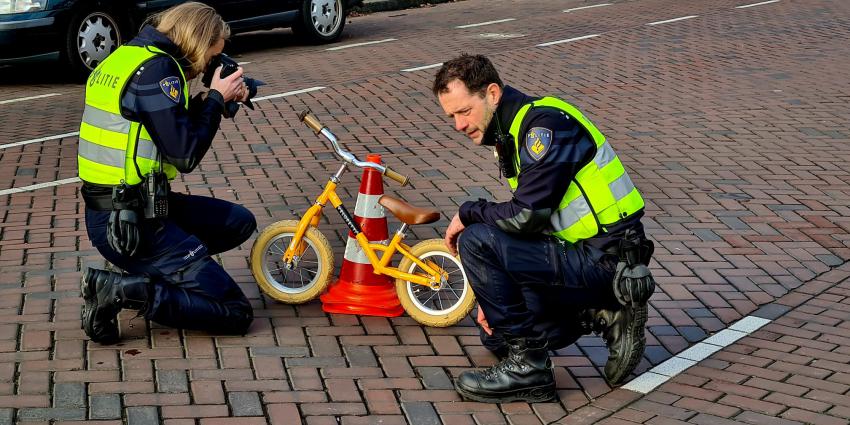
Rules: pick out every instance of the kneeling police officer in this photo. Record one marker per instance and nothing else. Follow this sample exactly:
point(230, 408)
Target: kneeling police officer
point(139, 129)
point(565, 256)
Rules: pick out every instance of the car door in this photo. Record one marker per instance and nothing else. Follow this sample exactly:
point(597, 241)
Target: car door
point(228, 9)
point(235, 10)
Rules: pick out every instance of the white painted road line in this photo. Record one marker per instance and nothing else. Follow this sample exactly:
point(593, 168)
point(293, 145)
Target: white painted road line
point(76, 133)
point(660, 374)
point(76, 179)
point(361, 44)
point(486, 23)
point(568, 40)
point(42, 139)
point(420, 68)
point(289, 93)
point(755, 4)
point(672, 20)
point(749, 324)
point(39, 186)
point(3, 102)
point(586, 7)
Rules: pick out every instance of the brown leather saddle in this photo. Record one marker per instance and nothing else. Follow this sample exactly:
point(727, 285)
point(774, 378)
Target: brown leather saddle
point(408, 213)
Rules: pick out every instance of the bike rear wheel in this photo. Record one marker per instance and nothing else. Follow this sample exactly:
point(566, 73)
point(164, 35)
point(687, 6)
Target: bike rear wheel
point(303, 282)
point(441, 307)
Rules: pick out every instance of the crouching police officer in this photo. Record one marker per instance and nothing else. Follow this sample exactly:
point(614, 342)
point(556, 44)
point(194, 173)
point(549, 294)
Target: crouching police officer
point(565, 256)
point(139, 129)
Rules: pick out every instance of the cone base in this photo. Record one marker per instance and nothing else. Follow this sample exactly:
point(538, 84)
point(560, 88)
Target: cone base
point(345, 297)
point(361, 310)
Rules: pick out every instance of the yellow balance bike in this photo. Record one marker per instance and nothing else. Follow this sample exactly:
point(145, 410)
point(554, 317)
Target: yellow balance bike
point(293, 261)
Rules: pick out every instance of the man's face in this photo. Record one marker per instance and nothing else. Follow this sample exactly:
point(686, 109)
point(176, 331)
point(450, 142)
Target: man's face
point(472, 112)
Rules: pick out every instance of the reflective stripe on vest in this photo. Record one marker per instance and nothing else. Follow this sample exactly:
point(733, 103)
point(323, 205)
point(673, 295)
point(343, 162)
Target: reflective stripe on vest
point(601, 193)
point(108, 141)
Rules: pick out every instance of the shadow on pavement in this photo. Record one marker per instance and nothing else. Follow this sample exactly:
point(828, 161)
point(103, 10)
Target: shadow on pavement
point(43, 72)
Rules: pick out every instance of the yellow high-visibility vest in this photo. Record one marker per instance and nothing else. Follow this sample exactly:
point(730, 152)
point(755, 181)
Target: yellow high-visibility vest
point(601, 194)
point(111, 147)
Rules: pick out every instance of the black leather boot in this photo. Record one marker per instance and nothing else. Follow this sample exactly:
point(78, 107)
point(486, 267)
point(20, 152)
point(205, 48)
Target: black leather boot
point(524, 375)
point(105, 294)
point(623, 332)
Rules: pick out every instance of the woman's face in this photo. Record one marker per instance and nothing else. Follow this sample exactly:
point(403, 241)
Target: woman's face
point(214, 50)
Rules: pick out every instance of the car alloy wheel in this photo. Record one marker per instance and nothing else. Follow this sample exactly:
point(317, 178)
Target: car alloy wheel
point(97, 37)
point(325, 16)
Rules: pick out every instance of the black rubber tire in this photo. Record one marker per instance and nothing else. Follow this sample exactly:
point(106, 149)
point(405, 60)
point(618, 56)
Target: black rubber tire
point(109, 29)
point(317, 32)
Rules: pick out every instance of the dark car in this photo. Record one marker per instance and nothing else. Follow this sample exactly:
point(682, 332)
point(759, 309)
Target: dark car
point(83, 32)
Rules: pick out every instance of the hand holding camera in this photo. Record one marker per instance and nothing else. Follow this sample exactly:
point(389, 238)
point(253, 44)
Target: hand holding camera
point(230, 86)
point(225, 75)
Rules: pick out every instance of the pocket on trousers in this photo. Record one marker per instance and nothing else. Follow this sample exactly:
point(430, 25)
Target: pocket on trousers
point(599, 267)
point(180, 256)
point(96, 222)
point(539, 265)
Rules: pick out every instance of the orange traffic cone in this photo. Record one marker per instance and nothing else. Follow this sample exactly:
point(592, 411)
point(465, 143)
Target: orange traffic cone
point(359, 290)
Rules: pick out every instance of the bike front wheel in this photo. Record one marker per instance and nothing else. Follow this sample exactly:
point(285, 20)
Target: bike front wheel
point(306, 279)
point(440, 307)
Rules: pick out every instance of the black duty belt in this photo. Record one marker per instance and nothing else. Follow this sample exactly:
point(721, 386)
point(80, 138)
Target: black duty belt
point(99, 198)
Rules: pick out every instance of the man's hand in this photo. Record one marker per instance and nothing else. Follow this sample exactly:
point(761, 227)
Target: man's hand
point(453, 232)
point(483, 321)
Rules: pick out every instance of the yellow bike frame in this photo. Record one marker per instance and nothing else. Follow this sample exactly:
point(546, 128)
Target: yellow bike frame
point(435, 274)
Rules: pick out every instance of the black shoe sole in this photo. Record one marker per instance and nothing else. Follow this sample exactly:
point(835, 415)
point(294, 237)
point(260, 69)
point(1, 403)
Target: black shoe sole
point(87, 315)
point(638, 337)
point(528, 395)
point(87, 291)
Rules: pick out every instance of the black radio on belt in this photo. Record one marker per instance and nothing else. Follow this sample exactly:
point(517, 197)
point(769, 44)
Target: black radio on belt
point(156, 191)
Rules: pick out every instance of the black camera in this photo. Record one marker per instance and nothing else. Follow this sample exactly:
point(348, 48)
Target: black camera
point(228, 67)
point(156, 191)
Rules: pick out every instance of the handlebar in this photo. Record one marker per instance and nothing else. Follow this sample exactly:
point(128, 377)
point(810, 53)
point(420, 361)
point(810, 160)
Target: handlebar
point(402, 180)
point(307, 118)
point(311, 121)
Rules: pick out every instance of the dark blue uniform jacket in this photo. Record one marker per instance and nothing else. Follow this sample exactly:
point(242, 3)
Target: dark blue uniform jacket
point(543, 179)
point(182, 137)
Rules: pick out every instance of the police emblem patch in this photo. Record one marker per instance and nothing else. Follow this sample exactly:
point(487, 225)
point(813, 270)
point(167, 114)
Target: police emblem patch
point(171, 87)
point(537, 142)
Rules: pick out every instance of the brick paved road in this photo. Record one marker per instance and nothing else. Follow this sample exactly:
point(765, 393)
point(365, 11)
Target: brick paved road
point(733, 123)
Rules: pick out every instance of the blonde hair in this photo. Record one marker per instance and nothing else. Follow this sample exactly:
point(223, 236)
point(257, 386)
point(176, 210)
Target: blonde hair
point(194, 27)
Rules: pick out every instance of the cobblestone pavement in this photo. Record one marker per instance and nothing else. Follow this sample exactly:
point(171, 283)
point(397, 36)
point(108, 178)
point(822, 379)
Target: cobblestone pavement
point(733, 123)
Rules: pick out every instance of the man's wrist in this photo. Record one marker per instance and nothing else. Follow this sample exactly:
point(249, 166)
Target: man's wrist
point(463, 213)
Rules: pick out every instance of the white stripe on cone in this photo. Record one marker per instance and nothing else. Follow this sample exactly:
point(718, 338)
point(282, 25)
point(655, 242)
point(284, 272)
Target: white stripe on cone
point(368, 207)
point(354, 253)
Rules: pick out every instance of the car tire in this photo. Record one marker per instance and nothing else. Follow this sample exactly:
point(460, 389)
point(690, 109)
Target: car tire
point(94, 32)
point(320, 21)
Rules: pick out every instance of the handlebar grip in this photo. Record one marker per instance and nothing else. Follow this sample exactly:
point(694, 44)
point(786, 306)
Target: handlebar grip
point(402, 180)
point(308, 118)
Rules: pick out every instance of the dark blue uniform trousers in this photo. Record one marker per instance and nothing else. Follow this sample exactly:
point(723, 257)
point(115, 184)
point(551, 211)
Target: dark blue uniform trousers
point(189, 289)
point(535, 286)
